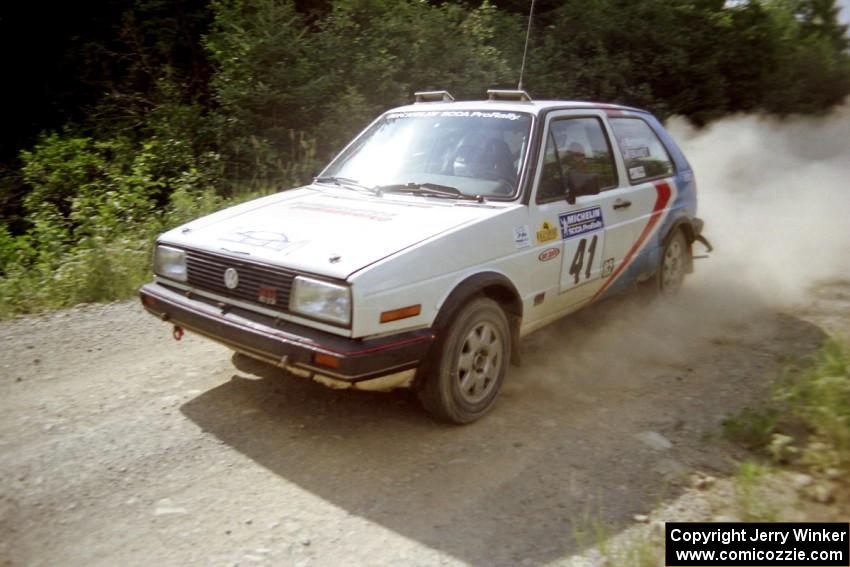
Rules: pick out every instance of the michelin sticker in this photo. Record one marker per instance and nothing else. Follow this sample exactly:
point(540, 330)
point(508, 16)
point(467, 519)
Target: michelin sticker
point(547, 232)
point(521, 236)
point(580, 222)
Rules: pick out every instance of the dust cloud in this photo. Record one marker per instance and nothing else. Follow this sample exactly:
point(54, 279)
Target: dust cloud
point(775, 197)
point(775, 194)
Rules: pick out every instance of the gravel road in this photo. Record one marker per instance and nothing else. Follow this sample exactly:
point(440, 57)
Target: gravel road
point(120, 446)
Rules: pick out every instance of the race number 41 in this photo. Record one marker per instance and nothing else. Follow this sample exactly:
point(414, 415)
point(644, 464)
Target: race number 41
point(581, 267)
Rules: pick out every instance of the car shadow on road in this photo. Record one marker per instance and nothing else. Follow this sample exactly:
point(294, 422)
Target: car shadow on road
point(561, 451)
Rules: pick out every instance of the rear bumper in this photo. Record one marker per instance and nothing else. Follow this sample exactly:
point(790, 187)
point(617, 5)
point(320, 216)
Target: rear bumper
point(288, 344)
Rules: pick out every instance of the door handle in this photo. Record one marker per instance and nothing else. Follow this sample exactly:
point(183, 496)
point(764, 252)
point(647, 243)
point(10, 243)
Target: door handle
point(621, 204)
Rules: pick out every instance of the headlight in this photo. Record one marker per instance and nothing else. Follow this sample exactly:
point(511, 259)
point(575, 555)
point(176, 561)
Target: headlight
point(321, 300)
point(170, 263)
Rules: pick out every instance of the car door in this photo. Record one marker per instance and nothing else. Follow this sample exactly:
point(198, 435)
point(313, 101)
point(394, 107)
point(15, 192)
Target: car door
point(649, 190)
point(592, 234)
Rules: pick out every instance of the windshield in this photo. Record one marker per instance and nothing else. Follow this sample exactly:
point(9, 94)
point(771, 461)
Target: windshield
point(475, 152)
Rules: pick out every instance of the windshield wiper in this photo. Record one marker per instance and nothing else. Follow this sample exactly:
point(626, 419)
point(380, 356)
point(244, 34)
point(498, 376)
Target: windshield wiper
point(343, 182)
point(428, 189)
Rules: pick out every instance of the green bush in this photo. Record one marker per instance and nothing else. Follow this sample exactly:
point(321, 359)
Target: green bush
point(818, 395)
point(809, 416)
point(94, 211)
point(751, 427)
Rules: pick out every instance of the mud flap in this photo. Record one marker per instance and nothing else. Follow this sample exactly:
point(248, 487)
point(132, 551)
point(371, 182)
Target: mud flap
point(516, 356)
point(708, 247)
point(704, 241)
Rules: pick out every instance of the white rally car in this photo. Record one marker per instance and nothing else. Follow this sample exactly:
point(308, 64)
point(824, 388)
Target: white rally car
point(434, 241)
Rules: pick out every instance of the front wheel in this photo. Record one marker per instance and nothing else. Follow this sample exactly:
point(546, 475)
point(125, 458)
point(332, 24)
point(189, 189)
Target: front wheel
point(471, 362)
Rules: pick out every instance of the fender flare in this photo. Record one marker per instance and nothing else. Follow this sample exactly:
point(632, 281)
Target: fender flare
point(494, 285)
point(684, 224)
point(490, 284)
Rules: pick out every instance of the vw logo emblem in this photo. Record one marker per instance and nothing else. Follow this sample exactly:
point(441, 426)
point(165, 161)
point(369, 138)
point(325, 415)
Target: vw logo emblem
point(231, 278)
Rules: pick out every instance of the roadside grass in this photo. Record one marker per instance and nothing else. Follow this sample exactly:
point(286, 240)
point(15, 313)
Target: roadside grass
point(819, 397)
point(804, 427)
point(641, 549)
point(752, 428)
point(105, 267)
point(94, 271)
point(752, 497)
point(807, 421)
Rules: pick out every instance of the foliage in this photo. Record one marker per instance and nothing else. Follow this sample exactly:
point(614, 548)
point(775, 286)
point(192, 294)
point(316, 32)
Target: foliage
point(636, 550)
point(751, 427)
point(699, 59)
point(752, 496)
point(94, 210)
point(808, 420)
point(818, 395)
point(278, 79)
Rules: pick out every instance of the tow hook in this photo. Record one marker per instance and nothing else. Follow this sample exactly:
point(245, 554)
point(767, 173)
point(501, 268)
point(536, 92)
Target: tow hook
point(177, 332)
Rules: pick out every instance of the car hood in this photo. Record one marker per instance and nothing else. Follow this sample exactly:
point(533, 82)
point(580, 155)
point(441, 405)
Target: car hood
point(328, 232)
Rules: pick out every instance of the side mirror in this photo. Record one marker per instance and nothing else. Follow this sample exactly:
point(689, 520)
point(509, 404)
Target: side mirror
point(579, 184)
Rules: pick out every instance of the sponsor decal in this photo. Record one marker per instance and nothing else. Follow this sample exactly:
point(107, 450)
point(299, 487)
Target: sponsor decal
point(580, 222)
point(455, 113)
point(637, 172)
point(632, 142)
point(380, 216)
point(613, 110)
point(548, 254)
point(662, 198)
point(259, 239)
point(637, 153)
point(267, 295)
point(607, 267)
point(231, 278)
point(547, 232)
point(522, 239)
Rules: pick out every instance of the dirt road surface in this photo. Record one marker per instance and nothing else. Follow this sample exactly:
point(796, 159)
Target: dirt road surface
point(120, 446)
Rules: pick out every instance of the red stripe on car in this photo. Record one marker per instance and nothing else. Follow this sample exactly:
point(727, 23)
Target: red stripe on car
point(662, 197)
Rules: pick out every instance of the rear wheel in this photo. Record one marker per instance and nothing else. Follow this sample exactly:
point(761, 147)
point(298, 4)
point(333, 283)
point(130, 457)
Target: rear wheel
point(470, 363)
point(674, 263)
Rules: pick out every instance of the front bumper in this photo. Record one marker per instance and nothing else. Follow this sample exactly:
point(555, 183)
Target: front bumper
point(286, 344)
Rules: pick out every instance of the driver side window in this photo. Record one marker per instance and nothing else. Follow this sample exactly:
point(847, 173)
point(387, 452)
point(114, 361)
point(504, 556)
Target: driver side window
point(552, 184)
point(575, 148)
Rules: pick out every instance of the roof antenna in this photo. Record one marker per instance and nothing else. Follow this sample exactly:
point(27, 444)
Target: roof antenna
point(525, 50)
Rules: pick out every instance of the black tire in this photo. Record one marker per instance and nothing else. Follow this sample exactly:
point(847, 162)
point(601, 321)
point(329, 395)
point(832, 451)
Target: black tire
point(470, 363)
point(674, 264)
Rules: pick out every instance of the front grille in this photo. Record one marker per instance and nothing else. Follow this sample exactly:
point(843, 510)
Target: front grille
point(206, 272)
